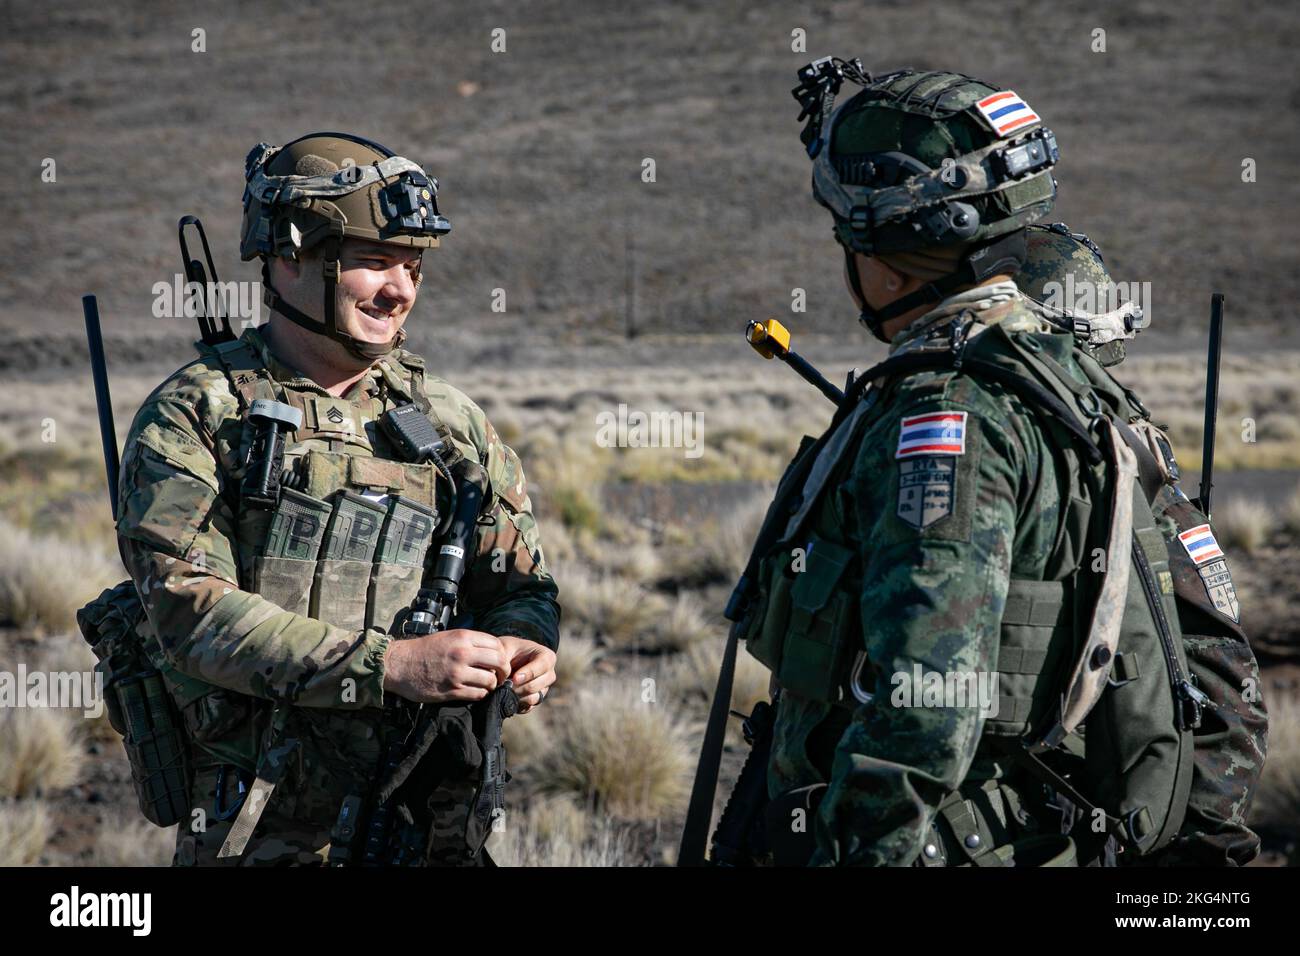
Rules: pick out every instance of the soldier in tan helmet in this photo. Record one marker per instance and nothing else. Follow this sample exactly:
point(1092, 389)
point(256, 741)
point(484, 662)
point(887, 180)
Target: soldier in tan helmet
point(273, 617)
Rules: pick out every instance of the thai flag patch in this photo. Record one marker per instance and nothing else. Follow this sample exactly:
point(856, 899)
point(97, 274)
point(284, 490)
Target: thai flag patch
point(938, 433)
point(1200, 544)
point(1006, 112)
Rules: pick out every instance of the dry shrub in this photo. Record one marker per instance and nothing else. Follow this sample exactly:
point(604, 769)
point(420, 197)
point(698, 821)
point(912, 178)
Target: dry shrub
point(636, 562)
point(716, 552)
point(1277, 798)
point(626, 757)
point(696, 675)
point(557, 832)
point(685, 625)
point(1243, 523)
point(1291, 512)
point(24, 830)
point(609, 609)
point(44, 580)
point(127, 840)
point(568, 485)
point(575, 664)
point(40, 751)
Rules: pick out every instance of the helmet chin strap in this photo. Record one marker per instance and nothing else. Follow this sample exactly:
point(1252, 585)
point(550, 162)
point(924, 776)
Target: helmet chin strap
point(366, 351)
point(1006, 254)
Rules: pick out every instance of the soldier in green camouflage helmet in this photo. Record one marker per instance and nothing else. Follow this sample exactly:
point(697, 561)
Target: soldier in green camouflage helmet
point(274, 624)
point(964, 568)
point(1232, 741)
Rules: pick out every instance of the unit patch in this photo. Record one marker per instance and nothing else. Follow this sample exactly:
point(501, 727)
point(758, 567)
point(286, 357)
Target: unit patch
point(1213, 569)
point(1218, 585)
point(926, 487)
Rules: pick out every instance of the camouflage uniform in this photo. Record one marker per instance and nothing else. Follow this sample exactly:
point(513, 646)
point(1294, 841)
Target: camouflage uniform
point(946, 525)
point(232, 656)
point(927, 589)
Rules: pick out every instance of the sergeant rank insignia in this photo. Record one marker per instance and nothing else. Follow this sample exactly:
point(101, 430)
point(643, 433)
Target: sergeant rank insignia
point(1212, 566)
point(927, 470)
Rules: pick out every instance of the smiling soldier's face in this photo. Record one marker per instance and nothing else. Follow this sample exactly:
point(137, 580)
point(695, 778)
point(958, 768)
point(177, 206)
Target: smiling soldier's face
point(376, 288)
point(375, 292)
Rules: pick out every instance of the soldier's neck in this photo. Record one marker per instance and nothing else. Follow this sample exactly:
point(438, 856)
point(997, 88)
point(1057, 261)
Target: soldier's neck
point(322, 360)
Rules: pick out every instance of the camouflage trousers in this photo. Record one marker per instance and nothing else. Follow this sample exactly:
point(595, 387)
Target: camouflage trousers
point(277, 840)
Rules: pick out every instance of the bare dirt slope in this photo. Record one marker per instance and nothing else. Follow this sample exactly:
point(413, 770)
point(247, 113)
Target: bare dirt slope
point(539, 148)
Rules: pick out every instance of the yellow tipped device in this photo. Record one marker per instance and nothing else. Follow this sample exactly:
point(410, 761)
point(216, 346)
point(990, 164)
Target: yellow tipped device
point(771, 340)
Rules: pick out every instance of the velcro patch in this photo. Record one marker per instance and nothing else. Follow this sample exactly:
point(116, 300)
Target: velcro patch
point(936, 433)
point(1200, 544)
point(1006, 112)
point(926, 487)
point(1218, 585)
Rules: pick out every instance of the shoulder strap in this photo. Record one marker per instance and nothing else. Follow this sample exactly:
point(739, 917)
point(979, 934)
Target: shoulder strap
point(248, 377)
point(411, 385)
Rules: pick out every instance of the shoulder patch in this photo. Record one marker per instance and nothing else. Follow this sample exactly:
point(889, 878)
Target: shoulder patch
point(926, 486)
point(936, 433)
point(1200, 544)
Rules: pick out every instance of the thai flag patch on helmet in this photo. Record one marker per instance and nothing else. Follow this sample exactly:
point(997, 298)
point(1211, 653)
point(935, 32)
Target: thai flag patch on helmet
point(1006, 112)
point(938, 433)
point(1200, 544)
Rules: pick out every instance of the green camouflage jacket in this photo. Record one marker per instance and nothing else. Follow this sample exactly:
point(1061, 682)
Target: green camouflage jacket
point(180, 539)
point(936, 552)
point(934, 582)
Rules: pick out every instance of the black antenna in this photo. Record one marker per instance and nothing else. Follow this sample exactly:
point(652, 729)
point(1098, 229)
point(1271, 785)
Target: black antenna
point(1211, 400)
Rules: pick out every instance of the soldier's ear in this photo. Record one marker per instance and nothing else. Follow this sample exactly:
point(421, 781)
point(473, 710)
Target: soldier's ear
point(891, 278)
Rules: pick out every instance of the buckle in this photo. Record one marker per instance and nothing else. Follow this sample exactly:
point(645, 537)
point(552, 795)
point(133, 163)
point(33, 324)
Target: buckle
point(220, 811)
point(860, 219)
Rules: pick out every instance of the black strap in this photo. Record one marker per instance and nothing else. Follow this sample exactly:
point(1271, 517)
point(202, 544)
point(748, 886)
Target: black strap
point(699, 813)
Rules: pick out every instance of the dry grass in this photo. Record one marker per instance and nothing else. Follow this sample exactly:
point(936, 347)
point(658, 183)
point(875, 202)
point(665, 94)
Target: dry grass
point(625, 757)
point(608, 608)
point(1290, 514)
point(1244, 524)
point(69, 653)
point(1277, 798)
point(24, 830)
point(717, 551)
point(576, 664)
point(126, 840)
point(43, 580)
point(40, 751)
point(558, 832)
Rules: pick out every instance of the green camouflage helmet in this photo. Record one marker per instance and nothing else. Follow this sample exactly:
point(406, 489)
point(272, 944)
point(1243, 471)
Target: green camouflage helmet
point(923, 159)
point(322, 188)
point(1061, 268)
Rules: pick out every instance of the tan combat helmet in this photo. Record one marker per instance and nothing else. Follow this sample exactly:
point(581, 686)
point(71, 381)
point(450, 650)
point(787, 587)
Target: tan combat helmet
point(320, 188)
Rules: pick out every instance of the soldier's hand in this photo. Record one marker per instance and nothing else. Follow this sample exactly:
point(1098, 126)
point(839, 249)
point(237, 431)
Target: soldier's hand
point(532, 668)
point(455, 665)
